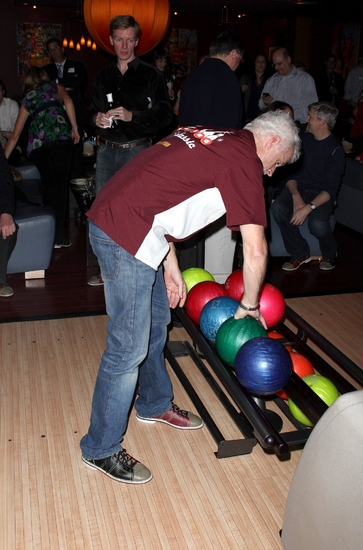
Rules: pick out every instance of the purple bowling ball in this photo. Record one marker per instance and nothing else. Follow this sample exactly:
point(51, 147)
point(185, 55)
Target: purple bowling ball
point(263, 366)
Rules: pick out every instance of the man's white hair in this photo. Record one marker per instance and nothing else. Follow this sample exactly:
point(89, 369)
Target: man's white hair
point(277, 123)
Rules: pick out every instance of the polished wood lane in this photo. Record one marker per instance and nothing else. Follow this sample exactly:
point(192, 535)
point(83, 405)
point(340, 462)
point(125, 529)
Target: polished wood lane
point(49, 500)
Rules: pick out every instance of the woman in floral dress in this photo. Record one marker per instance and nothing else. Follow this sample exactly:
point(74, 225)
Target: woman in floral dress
point(50, 141)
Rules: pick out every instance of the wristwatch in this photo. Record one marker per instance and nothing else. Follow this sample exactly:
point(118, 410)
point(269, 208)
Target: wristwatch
point(312, 206)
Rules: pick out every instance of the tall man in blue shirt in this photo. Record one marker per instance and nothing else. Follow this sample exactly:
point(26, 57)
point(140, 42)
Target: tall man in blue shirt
point(130, 102)
point(311, 192)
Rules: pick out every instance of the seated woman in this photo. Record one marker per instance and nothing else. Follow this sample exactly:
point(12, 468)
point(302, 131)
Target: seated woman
point(9, 110)
point(280, 106)
point(50, 141)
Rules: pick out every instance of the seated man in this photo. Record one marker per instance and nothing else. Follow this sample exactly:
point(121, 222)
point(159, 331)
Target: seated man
point(8, 230)
point(312, 191)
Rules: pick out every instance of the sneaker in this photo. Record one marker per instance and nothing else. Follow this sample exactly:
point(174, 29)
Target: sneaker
point(64, 244)
point(6, 291)
point(175, 417)
point(292, 265)
point(96, 280)
point(120, 467)
point(327, 263)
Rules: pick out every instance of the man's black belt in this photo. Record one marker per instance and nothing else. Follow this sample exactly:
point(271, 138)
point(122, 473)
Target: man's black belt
point(125, 144)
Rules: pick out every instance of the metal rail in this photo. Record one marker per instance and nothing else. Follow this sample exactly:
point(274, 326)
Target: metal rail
point(255, 422)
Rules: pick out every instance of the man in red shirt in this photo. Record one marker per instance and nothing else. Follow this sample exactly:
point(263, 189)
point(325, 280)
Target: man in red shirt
point(167, 193)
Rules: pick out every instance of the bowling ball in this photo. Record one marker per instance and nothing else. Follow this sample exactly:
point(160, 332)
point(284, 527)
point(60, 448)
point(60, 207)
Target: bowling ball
point(234, 285)
point(301, 365)
point(195, 275)
point(278, 336)
point(272, 304)
point(214, 313)
point(200, 295)
point(233, 333)
point(263, 366)
point(323, 387)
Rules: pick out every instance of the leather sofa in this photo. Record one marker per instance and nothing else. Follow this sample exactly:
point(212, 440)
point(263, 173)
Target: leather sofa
point(276, 244)
point(349, 211)
point(33, 251)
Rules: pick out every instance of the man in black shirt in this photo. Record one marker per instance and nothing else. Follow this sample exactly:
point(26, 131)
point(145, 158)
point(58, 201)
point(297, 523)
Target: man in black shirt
point(129, 104)
point(211, 96)
point(329, 83)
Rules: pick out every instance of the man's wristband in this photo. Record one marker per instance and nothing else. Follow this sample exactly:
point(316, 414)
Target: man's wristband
point(248, 308)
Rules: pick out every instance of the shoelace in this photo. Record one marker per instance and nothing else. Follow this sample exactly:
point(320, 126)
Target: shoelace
point(126, 460)
point(179, 411)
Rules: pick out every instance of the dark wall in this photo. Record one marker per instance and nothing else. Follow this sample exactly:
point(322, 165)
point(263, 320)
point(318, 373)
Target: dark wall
point(257, 33)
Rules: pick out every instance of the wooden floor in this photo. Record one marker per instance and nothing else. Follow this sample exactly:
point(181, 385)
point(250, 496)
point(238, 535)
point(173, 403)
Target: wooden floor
point(52, 337)
point(64, 290)
point(49, 500)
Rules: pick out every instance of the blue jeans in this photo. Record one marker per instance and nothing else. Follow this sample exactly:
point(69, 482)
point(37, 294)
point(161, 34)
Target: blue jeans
point(138, 310)
point(318, 224)
point(109, 161)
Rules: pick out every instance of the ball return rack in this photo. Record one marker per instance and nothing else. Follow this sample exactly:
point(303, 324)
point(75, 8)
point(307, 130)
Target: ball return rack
point(256, 423)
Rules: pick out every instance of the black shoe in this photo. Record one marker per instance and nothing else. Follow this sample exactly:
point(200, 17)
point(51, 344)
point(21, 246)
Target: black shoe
point(120, 467)
point(66, 243)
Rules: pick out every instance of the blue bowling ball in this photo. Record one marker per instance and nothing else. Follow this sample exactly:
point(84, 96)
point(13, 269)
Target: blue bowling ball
point(263, 366)
point(214, 313)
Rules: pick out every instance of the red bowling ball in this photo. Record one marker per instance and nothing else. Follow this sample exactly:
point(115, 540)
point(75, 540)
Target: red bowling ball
point(234, 285)
point(272, 304)
point(200, 295)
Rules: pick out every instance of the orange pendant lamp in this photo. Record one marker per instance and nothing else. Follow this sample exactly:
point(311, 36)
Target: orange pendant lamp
point(152, 15)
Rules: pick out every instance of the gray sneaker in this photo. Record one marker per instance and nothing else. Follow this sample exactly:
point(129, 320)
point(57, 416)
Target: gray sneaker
point(327, 264)
point(293, 265)
point(6, 291)
point(120, 467)
point(96, 280)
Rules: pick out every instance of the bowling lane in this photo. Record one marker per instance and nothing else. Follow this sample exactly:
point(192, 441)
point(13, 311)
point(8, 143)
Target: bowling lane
point(339, 318)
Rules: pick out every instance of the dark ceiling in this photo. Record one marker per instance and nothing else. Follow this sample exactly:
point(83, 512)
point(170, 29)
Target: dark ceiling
point(230, 10)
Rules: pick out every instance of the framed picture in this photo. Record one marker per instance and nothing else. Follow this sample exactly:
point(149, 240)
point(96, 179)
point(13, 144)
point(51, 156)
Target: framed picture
point(31, 39)
point(345, 46)
point(181, 45)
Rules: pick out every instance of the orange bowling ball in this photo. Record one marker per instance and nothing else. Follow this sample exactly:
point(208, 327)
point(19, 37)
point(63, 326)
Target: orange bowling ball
point(301, 365)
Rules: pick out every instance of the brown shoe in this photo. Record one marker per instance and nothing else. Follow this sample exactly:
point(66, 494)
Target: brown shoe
point(292, 265)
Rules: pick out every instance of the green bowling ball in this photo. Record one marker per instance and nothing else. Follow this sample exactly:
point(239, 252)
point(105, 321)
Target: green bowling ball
point(233, 333)
point(323, 387)
point(195, 275)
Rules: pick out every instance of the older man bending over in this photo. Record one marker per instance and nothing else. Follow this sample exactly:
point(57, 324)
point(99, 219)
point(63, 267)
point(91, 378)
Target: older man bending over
point(165, 194)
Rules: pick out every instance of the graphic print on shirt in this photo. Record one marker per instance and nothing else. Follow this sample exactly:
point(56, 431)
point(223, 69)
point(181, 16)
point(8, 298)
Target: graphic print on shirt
point(206, 136)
